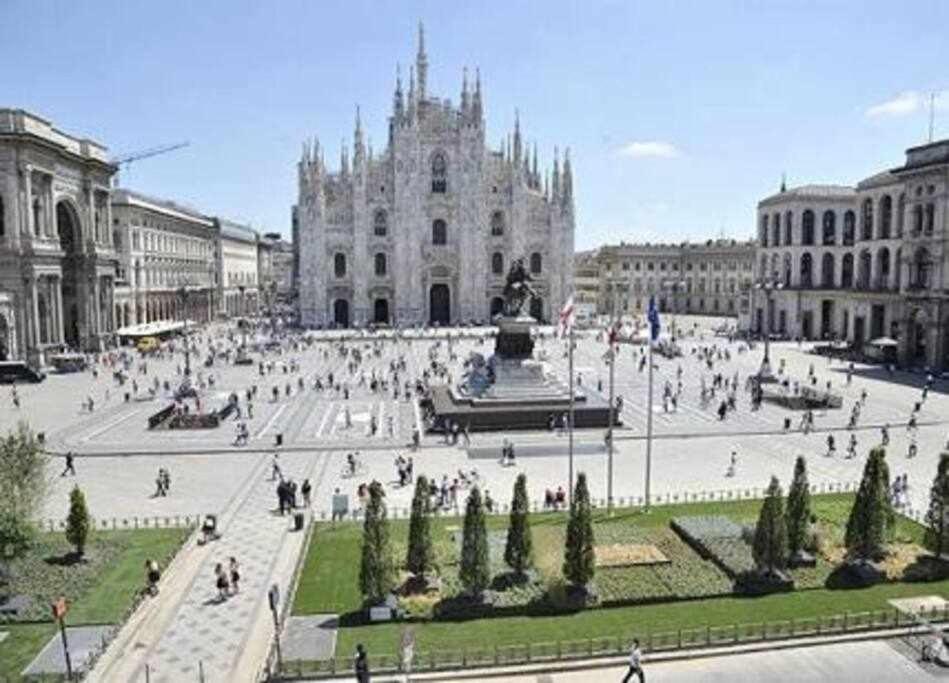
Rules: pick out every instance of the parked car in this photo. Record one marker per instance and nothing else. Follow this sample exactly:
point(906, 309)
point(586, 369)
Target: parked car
point(19, 371)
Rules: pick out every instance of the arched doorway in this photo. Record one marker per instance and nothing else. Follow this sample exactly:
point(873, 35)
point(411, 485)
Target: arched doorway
point(537, 309)
point(918, 347)
point(4, 339)
point(341, 313)
point(70, 241)
point(497, 306)
point(439, 305)
point(380, 311)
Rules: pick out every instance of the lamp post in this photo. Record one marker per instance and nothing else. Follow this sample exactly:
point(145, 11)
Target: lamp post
point(183, 296)
point(243, 320)
point(768, 287)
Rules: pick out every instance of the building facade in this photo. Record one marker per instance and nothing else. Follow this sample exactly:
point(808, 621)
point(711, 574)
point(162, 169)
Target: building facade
point(857, 263)
point(166, 260)
point(237, 269)
point(707, 278)
point(425, 232)
point(586, 285)
point(281, 265)
point(58, 264)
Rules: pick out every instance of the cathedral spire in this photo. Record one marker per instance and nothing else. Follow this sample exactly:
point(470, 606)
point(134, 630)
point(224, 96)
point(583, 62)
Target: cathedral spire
point(344, 159)
point(476, 106)
point(421, 62)
point(567, 179)
point(535, 179)
point(464, 91)
point(517, 138)
point(398, 103)
point(359, 149)
point(555, 179)
point(411, 103)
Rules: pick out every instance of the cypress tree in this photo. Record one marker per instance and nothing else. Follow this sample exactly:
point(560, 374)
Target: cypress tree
point(799, 507)
point(579, 561)
point(770, 548)
point(77, 522)
point(871, 517)
point(376, 575)
point(475, 572)
point(517, 551)
point(420, 558)
point(937, 528)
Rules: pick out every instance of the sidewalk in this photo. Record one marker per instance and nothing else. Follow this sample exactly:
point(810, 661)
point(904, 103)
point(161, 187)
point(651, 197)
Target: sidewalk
point(186, 632)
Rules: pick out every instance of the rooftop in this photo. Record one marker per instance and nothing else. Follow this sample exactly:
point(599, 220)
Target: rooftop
point(22, 122)
point(826, 192)
point(124, 196)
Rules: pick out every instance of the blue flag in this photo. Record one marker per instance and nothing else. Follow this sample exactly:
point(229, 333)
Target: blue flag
point(653, 317)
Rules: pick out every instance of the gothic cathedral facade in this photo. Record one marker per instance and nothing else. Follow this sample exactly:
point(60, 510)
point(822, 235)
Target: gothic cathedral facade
point(425, 232)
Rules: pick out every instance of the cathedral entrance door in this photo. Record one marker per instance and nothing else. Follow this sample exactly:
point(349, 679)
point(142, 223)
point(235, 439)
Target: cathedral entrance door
point(439, 305)
point(537, 309)
point(341, 313)
point(380, 311)
point(497, 306)
point(4, 339)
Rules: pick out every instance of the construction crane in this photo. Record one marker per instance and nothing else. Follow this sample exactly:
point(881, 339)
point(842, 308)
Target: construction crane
point(127, 160)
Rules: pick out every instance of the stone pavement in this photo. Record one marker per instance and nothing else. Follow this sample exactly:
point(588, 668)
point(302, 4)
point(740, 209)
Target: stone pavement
point(83, 641)
point(203, 633)
point(836, 663)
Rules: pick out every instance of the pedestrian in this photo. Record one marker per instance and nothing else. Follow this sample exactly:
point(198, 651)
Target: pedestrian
point(70, 467)
point(275, 472)
point(235, 576)
point(306, 490)
point(221, 582)
point(361, 664)
point(635, 664)
point(732, 465)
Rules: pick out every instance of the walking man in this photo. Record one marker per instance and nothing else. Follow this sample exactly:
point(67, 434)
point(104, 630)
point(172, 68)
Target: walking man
point(635, 664)
point(70, 468)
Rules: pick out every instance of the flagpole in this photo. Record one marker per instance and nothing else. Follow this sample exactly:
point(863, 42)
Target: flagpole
point(649, 423)
point(570, 426)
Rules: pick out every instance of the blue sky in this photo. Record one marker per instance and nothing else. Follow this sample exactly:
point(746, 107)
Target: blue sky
point(680, 116)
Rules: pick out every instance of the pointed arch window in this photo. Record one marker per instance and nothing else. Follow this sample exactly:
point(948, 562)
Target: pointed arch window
point(3, 229)
point(536, 263)
point(380, 265)
point(439, 232)
point(439, 173)
point(339, 265)
point(497, 224)
point(497, 263)
point(380, 223)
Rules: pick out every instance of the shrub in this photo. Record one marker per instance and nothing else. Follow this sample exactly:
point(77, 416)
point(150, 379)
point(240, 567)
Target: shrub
point(376, 572)
point(799, 508)
point(770, 548)
point(517, 550)
point(420, 557)
point(78, 522)
point(937, 528)
point(871, 517)
point(579, 559)
point(475, 572)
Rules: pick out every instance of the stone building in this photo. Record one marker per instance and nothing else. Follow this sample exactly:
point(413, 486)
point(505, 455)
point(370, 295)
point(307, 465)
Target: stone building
point(166, 260)
point(237, 268)
point(861, 262)
point(425, 232)
point(57, 257)
point(280, 265)
point(705, 278)
point(586, 285)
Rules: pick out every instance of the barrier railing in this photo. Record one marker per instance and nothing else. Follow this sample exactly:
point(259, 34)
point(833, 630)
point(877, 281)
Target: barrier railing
point(130, 522)
point(653, 642)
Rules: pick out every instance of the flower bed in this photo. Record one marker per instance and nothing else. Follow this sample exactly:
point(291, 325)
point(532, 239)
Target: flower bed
point(719, 539)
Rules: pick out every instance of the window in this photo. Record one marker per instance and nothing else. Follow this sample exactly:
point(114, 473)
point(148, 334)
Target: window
point(380, 265)
point(917, 219)
point(850, 227)
point(439, 232)
point(535, 263)
point(830, 229)
point(807, 228)
point(866, 232)
point(764, 230)
point(846, 271)
point(625, 265)
point(900, 214)
point(497, 263)
point(2, 224)
point(807, 271)
point(380, 224)
point(439, 173)
point(497, 224)
point(930, 218)
point(776, 230)
point(339, 265)
point(886, 216)
point(787, 228)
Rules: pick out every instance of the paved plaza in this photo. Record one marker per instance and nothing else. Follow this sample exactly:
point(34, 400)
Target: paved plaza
point(186, 630)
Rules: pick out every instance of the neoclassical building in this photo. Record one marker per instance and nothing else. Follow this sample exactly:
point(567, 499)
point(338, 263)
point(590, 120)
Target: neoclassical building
point(706, 278)
point(57, 258)
point(861, 262)
point(426, 231)
point(237, 268)
point(164, 249)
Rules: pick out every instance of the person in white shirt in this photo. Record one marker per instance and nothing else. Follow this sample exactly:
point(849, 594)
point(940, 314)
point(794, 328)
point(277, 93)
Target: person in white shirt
point(635, 664)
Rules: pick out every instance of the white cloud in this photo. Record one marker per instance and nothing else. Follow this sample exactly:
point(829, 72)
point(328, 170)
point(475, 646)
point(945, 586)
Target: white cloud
point(649, 149)
point(905, 103)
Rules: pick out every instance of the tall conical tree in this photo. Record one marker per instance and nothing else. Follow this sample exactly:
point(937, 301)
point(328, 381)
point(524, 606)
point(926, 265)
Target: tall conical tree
point(475, 572)
point(517, 551)
point(376, 573)
point(78, 523)
point(579, 560)
point(420, 557)
point(799, 507)
point(770, 548)
point(937, 527)
point(871, 517)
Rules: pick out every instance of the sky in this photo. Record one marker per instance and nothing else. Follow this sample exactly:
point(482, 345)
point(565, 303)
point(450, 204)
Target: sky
point(680, 116)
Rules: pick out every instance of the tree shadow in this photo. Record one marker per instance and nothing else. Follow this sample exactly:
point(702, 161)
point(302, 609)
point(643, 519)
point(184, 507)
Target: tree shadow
point(68, 560)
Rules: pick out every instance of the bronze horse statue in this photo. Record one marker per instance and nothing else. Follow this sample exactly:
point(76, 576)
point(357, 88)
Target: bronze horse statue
point(517, 289)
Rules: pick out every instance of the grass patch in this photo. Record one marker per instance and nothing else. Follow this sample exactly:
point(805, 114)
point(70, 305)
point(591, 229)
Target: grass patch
point(99, 591)
point(687, 592)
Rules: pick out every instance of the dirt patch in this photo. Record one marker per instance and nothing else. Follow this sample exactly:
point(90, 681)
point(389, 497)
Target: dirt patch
point(628, 555)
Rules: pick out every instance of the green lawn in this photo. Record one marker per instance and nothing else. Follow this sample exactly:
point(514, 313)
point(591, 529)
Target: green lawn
point(102, 598)
point(329, 583)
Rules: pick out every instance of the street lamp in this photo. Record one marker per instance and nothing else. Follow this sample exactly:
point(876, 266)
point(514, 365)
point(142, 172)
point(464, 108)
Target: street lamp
point(768, 287)
point(243, 321)
point(183, 296)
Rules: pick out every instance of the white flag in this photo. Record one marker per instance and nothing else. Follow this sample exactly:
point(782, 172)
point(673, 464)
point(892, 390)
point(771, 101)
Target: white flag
point(566, 317)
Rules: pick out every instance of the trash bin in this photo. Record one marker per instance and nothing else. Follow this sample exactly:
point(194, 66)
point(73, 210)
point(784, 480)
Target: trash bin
point(278, 439)
point(298, 521)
